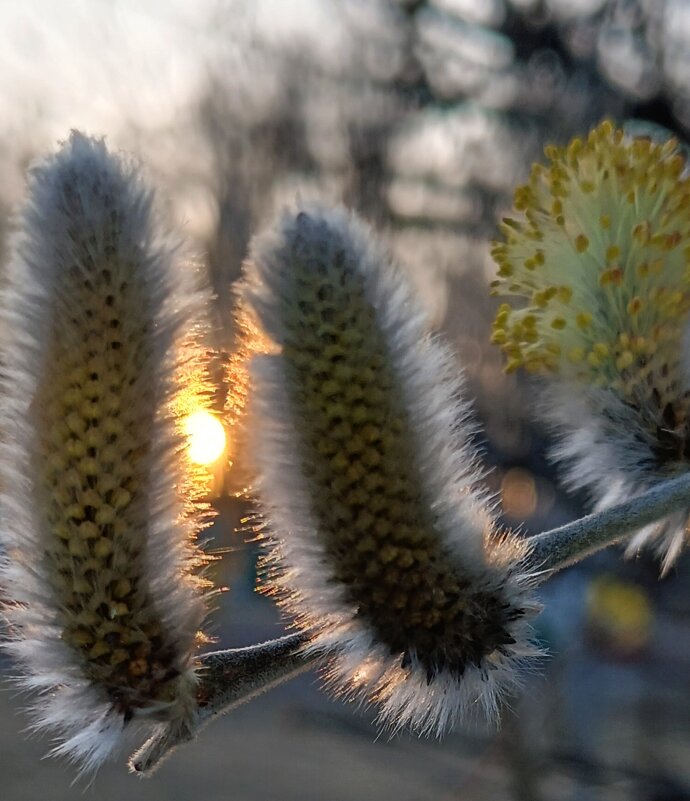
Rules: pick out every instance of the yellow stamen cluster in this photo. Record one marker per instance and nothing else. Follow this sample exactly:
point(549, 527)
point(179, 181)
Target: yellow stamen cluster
point(596, 268)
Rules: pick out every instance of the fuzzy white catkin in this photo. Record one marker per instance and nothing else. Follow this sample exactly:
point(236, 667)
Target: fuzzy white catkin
point(381, 541)
point(101, 595)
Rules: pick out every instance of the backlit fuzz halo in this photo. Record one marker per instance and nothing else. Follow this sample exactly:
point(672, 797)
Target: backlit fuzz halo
point(598, 285)
point(102, 598)
point(380, 540)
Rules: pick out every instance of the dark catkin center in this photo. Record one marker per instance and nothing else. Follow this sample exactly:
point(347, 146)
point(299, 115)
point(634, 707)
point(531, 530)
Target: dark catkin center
point(357, 452)
point(96, 409)
point(669, 432)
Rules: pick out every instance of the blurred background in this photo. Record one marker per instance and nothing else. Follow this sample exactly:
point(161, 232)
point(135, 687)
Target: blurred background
point(423, 115)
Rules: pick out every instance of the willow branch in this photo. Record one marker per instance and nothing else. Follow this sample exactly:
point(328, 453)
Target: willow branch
point(561, 547)
point(226, 680)
point(230, 678)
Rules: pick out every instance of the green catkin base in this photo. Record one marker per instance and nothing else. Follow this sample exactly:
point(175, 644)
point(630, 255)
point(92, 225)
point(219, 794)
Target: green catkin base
point(357, 452)
point(98, 408)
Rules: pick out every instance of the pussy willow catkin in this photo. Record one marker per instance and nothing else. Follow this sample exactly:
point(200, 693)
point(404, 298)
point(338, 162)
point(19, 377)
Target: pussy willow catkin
point(103, 603)
point(595, 272)
point(380, 539)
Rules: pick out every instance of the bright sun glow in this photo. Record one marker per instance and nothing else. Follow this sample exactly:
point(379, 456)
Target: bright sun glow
point(205, 436)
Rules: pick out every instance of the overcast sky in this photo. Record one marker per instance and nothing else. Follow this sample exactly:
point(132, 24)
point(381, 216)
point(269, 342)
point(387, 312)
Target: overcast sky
point(97, 64)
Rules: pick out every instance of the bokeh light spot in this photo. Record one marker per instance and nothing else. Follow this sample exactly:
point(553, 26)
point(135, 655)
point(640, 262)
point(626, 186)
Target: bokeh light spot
point(518, 493)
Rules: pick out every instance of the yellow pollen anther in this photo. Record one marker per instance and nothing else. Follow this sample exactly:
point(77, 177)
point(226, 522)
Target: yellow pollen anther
point(635, 306)
point(625, 360)
point(675, 298)
point(612, 276)
point(601, 349)
point(672, 240)
point(574, 148)
point(510, 224)
point(513, 365)
point(558, 190)
point(522, 198)
point(641, 233)
point(558, 323)
point(605, 221)
point(576, 355)
point(583, 320)
point(534, 365)
point(581, 243)
point(612, 252)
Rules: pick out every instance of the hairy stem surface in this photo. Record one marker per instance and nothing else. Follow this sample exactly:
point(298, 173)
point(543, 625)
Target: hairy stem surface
point(561, 547)
point(229, 678)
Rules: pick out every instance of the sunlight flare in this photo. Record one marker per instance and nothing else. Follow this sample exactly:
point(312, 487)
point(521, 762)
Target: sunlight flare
point(205, 437)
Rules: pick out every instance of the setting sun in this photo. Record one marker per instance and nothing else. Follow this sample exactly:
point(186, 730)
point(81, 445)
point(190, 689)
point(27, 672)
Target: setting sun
point(205, 436)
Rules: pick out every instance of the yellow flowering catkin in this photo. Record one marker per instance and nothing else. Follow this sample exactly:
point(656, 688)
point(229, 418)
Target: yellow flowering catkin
point(383, 544)
point(104, 602)
point(594, 269)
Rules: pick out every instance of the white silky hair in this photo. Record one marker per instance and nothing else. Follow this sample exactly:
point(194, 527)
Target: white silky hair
point(603, 449)
point(446, 462)
point(79, 713)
